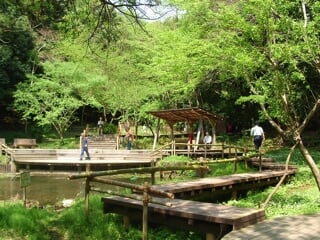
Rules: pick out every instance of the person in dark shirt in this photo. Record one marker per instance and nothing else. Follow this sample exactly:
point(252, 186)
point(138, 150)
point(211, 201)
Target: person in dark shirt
point(84, 146)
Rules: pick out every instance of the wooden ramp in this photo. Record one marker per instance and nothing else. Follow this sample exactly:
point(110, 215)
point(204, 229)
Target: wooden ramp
point(211, 220)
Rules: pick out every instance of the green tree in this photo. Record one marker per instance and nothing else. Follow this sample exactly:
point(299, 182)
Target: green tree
point(47, 100)
point(17, 51)
point(272, 48)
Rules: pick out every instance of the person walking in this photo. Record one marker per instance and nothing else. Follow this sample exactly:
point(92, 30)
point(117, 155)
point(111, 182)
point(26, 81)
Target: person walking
point(84, 146)
point(100, 126)
point(258, 136)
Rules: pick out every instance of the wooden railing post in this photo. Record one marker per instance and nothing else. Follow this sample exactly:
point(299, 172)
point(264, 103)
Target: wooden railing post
point(260, 162)
point(222, 154)
point(174, 147)
point(145, 212)
point(87, 190)
point(245, 150)
point(153, 173)
point(236, 161)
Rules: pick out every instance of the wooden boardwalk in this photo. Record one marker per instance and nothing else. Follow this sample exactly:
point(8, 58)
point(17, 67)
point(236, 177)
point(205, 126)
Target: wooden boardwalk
point(303, 227)
point(212, 220)
point(230, 185)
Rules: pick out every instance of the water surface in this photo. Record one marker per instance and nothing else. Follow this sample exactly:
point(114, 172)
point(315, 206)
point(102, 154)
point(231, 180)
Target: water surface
point(43, 189)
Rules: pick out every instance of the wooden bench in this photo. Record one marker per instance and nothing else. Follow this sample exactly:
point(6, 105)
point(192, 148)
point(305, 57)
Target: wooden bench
point(24, 143)
point(212, 220)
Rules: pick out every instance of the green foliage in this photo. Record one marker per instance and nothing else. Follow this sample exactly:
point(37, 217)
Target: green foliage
point(143, 143)
point(25, 222)
point(17, 51)
point(21, 223)
point(294, 198)
point(173, 159)
point(48, 101)
point(110, 128)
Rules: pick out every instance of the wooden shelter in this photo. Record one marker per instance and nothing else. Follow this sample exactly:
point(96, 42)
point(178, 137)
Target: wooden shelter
point(189, 115)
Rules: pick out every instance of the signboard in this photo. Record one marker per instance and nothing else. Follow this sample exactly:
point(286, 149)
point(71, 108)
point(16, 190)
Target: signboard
point(25, 179)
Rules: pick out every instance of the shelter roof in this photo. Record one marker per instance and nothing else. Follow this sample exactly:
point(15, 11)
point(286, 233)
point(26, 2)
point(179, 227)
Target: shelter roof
point(185, 114)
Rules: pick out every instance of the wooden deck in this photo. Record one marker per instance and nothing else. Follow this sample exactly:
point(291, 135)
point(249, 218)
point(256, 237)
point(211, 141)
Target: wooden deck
point(68, 159)
point(211, 220)
point(230, 186)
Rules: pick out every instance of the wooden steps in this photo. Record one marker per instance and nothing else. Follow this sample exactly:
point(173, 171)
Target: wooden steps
point(269, 163)
point(107, 141)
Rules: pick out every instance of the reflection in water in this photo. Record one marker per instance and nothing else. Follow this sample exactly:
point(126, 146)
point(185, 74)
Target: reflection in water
point(50, 189)
point(44, 189)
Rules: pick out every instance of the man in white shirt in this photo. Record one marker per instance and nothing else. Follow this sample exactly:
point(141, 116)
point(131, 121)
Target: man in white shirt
point(207, 139)
point(258, 136)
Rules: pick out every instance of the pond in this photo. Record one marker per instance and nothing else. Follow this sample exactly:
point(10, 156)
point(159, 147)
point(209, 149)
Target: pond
point(44, 189)
point(48, 189)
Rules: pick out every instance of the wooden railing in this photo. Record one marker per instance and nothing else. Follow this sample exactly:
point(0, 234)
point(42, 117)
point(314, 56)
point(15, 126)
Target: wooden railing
point(177, 148)
point(7, 151)
point(146, 190)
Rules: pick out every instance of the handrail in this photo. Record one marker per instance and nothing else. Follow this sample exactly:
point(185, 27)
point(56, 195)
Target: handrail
point(8, 151)
point(159, 150)
point(207, 148)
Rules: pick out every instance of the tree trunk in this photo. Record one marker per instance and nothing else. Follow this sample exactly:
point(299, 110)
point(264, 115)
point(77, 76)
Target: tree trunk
point(314, 168)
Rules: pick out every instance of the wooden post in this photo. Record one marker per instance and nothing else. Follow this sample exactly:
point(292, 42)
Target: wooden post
point(145, 212)
point(25, 181)
point(153, 174)
point(245, 154)
point(210, 236)
point(24, 196)
point(88, 168)
point(236, 161)
point(222, 150)
point(260, 162)
point(205, 150)
point(86, 192)
point(126, 221)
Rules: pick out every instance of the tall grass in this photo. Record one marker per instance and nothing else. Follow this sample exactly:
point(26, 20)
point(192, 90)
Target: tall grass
point(298, 196)
point(17, 222)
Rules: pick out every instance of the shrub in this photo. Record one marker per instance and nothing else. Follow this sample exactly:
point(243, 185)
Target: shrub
point(110, 128)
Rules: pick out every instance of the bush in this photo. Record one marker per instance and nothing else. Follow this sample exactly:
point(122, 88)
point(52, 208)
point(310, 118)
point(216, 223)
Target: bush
point(110, 128)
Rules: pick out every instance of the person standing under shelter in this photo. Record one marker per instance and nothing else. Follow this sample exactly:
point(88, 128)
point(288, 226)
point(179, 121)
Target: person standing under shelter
point(84, 146)
point(207, 139)
point(258, 135)
point(100, 126)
